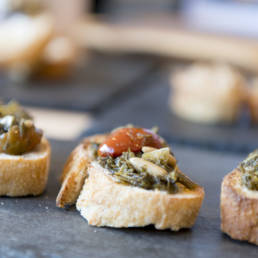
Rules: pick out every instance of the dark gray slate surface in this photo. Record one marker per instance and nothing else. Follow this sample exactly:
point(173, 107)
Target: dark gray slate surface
point(97, 80)
point(149, 106)
point(34, 227)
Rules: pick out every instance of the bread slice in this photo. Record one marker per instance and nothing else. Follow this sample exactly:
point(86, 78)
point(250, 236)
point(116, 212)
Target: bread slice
point(26, 174)
point(213, 93)
point(239, 209)
point(104, 202)
point(75, 171)
point(22, 39)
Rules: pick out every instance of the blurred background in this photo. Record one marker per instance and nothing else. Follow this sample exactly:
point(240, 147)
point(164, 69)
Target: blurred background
point(82, 67)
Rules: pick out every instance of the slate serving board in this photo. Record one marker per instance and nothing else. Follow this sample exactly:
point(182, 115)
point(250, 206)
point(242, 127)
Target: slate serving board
point(98, 79)
point(34, 227)
point(149, 106)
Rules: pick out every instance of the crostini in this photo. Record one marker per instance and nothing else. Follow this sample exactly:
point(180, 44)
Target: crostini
point(22, 40)
point(207, 93)
point(24, 153)
point(239, 201)
point(129, 178)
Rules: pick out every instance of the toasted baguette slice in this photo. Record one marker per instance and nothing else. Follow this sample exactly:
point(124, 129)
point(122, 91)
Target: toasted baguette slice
point(23, 38)
point(26, 174)
point(75, 171)
point(239, 209)
point(104, 202)
point(213, 93)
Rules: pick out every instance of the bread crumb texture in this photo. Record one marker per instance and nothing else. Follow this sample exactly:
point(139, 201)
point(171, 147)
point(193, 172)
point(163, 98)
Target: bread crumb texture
point(239, 209)
point(106, 203)
point(26, 174)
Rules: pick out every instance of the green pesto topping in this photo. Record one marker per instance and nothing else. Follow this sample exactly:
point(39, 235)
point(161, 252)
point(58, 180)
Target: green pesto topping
point(249, 170)
point(17, 131)
point(122, 171)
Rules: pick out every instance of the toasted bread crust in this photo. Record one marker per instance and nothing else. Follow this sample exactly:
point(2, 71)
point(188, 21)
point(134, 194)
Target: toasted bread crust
point(239, 209)
point(104, 202)
point(26, 174)
point(75, 171)
point(253, 102)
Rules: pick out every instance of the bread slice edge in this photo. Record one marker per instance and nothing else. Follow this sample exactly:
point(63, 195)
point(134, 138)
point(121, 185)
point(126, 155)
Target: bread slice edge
point(103, 202)
point(27, 174)
point(238, 209)
point(75, 171)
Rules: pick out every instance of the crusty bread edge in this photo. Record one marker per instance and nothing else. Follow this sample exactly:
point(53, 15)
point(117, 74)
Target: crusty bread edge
point(75, 172)
point(103, 202)
point(27, 174)
point(238, 209)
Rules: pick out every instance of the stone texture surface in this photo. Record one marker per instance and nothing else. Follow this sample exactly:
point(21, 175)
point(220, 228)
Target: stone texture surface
point(34, 227)
point(98, 79)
